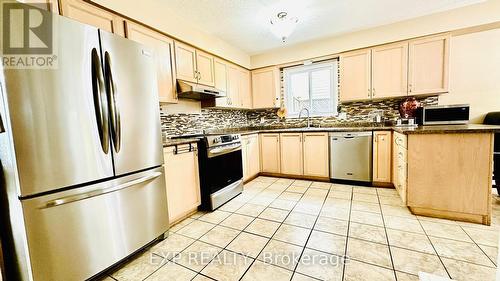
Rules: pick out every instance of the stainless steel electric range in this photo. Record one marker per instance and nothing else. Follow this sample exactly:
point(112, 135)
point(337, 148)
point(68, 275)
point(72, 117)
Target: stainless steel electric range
point(221, 169)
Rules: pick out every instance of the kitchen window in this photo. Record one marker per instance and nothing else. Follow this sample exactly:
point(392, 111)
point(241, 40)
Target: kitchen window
point(314, 87)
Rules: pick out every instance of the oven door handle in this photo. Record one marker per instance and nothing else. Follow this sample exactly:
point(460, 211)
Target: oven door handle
point(223, 150)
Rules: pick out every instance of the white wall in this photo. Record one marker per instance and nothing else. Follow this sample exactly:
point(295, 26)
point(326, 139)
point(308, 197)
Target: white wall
point(154, 14)
point(475, 73)
point(478, 14)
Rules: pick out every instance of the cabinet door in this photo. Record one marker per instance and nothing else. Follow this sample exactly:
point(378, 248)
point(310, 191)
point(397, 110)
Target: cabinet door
point(355, 75)
point(390, 70)
point(92, 15)
point(428, 65)
point(270, 153)
point(163, 48)
point(316, 156)
point(265, 87)
point(400, 164)
point(253, 155)
point(221, 82)
point(244, 157)
point(244, 91)
point(185, 62)
point(382, 155)
point(291, 154)
point(205, 68)
point(233, 82)
point(182, 181)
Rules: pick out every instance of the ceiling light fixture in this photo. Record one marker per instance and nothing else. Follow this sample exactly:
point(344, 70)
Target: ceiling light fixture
point(283, 25)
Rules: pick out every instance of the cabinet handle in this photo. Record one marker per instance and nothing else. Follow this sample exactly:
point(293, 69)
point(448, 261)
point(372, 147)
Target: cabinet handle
point(410, 87)
point(373, 92)
point(369, 93)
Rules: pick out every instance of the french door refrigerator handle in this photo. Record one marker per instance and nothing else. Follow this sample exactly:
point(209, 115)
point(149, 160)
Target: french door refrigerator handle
point(100, 100)
point(97, 192)
point(115, 112)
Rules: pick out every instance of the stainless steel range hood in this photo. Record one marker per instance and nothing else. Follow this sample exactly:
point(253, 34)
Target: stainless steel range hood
point(188, 90)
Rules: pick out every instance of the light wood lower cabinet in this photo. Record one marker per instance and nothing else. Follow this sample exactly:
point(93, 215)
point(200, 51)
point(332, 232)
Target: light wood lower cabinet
point(164, 56)
point(400, 164)
point(250, 155)
point(449, 175)
point(270, 153)
point(316, 155)
point(291, 154)
point(382, 156)
point(86, 13)
point(182, 181)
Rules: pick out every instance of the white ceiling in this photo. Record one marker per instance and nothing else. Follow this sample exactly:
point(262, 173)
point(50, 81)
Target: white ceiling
point(245, 23)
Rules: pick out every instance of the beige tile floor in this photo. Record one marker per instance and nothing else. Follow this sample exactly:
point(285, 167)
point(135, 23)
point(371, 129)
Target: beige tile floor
point(283, 229)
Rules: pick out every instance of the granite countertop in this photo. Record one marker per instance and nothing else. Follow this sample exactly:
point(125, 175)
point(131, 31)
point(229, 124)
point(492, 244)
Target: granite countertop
point(449, 129)
point(178, 141)
point(437, 129)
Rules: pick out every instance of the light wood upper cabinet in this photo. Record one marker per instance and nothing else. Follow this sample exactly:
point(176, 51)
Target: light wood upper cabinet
point(316, 156)
point(428, 65)
point(355, 75)
point(163, 51)
point(194, 65)
point(221, 82)
point(182, 181)
point(92, 15)
point(251, 156)
point(270, 153)
point(205, 68)
point(390, 70)
point(382, 156)
point(233, 93)
point(291, 154)
point(245, 93)
point(220, 75)
point(266, 87)
point(185, 62)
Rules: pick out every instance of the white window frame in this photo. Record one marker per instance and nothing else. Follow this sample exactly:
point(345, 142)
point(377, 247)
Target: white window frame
point(333, 65)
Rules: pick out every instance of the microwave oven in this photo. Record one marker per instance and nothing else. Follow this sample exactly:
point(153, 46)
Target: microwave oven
point(443, 114)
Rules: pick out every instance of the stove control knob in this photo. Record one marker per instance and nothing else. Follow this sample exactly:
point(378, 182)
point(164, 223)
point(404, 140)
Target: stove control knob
point(216, 140)
point(235, 137)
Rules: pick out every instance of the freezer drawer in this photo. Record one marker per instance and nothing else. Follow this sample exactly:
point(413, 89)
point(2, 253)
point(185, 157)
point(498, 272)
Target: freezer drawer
point(351, 156)
point(76, 234)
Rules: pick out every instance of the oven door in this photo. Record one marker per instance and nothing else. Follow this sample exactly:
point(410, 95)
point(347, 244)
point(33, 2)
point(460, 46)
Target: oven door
point(224, 166)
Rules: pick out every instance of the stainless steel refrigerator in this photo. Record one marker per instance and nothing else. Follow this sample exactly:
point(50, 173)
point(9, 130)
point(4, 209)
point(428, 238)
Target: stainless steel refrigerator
point(81, 156)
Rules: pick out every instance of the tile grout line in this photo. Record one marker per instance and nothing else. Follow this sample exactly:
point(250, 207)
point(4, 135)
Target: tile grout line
point(434, 248)
point(387, 238)
point(477, 245)
point(271, 238)
point(215, 225)
point(348, 229)
point(312, 229)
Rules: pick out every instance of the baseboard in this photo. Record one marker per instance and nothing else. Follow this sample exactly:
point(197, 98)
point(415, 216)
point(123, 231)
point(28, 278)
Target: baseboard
point(298, 177)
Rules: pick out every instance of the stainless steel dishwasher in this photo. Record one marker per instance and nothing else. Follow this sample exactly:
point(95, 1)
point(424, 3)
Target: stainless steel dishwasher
point(351, 156)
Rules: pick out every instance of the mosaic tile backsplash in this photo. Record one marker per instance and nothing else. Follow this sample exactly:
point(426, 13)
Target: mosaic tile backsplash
point(216, 119)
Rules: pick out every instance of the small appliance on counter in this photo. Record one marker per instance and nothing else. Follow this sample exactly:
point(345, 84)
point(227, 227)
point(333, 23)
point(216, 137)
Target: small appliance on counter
point(443, 115)
point(407, 111)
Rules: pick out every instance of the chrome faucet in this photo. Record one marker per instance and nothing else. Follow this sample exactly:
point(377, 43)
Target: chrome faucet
point(308, 116)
